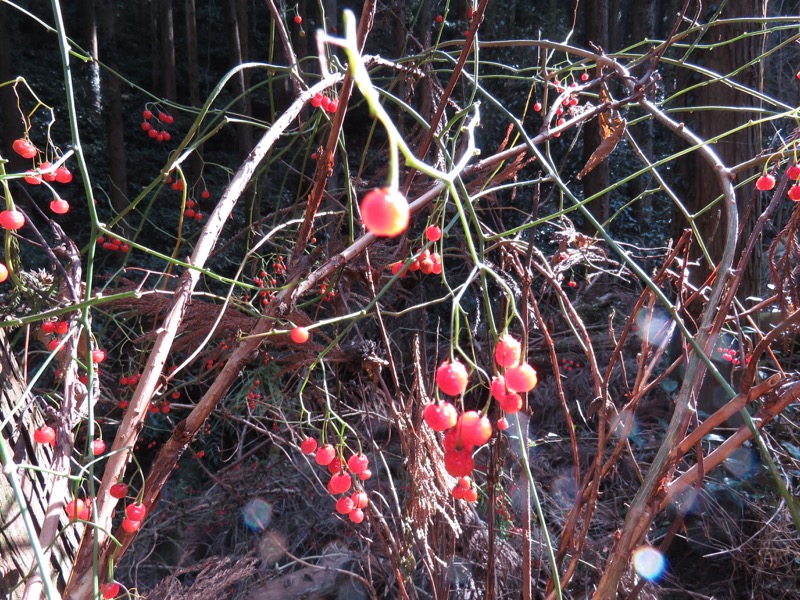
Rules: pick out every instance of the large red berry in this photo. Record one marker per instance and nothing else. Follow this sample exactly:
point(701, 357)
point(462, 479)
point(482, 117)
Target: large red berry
point(793, 172)
point(308, 445)
point(340, 483)
point(440, 417)
point(794, 193)
point(11, 219)
point(24, 148)
point(344, 505)
point(360, 500)
point(765, 182)
point(385, 212)
point(59, 206)
point(44, 435)
point(118, 490)
point(507, 351)
point(356, 515)
point(357, 463)
point(3, 272)
point(459, 462)
point(433, 233)
point(299, 335)
point(109, 590)
point(511, 402)
point(135, 512)
point(325, 455)
point(63, 175)
point(475, 429)
point(452, 441)
point(451, 377)
point(98, 447)
point(131, 525)
point(336, 465)
point(521, 378)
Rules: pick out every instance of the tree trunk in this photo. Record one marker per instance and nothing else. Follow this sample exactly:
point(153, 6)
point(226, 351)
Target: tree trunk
point(167, 58)
point(192, 69)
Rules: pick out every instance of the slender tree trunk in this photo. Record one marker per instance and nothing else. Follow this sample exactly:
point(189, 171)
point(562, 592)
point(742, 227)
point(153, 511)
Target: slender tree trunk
point(167, 45)
point(90, 24)
point(193, 73)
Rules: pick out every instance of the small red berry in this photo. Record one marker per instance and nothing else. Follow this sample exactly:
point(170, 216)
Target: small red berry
point(365, 474)
point(336, 465)
point(344, 505)
point(298, 19)
point(340, 483)
point(521, 378)
point(146, 126)
point(537, 107)
point(135, 512)
point(299, 335)
point(475, 429)
point(63, 175)
point(356, 515)
point(308, 445)
point(502, 424)
point(3, 272)
point(118, 490)
point(98, 447)
point(433, 233)
point(131, 525)
point(147, 114)
point(360, 500)
point(451, 377)
point(24, 148)
point(765, 182)
point(325, 455)
point(316, 101)
point(357, 463)
point(59, 206)
point(109, 590)
point(459, 462)
point(385, 212)
point(11, 219)
point(153, 133)
point(793, 172)
point(794, 193)
point(507, 351)
point(439, 18)
point(205, 194)
point(440, 417)
point(470, 495)
point(44, 435)
point(99, 356)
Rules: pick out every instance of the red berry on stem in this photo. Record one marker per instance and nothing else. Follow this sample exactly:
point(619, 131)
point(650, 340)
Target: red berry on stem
point(135, 512)
point(765, 182)
point(344, 505)
point(793, 172)
point(44, 435)
point(298, 19)
point(360, 500)
point(794, 193)
point(24, 148)
point(109, 590)
point(475, 429)
point(308, 445)
point(340, 483)
point(147, 114)
point(325, 455)
point(98, 447)
point(336, 465)
point(521, 378)
point(63, 175)
point(470, 495)
point(118, 490)
point(451, 377)
point(356, 515)
point(3, 272)
point(365, 474)
point(502, 424)
point(131, 525)
point(299, 335)
point(316, 101)
point(385, 212)
point(11, 219)
point(357, 463)
point(433, 233)
point(507, 351)
point(439, 18)
point(59, 206)
point(537, 107)
point(459, 462)
point(440, 417)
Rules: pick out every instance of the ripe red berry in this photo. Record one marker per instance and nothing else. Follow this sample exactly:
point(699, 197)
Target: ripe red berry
point(458, 492)
point(765, 182)
point(153, 133)
point(459, 462)
point(451, 377)
point(325, 103)
point(63, 175)
point(475, 429)
point(360, 500)
point(537, 107)
point(11, 219)
point(470, 495)
point(794, 193)
point(162, 116)
point(333, 105)
point(135, 512)
point(205, 194)
point(98, 447)
point(439, 18)
point(511, 402)
point(308, 445)
point(33, 178)
point(299, 335)
point(109, 590)
point(118, 490)
point(793, 172)
point(325, 455)
point(131, 525)
point(3, 272)
point(521, 378)
point(357, 463)
point(344, 505)
point(146, 126)
point(356, 515)
point(316, 101)
point(44, 435)
point(507, 351)
point(298, 19)
point(365, 474)
point(53, 344)
point(340, 483)
point(24, 148)
point(336, 465)
point(385, 212)
point(452, 441)
point(62, 327)
point(440, 417)
point(147, 114)
point(190, 213)
point(433, 233)
point(99, 356)
point(59, 206)
point(502, 424)
point(78, 509)
point(584, 77)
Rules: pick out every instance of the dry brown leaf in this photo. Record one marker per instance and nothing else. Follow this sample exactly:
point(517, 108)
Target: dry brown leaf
point(611, 131)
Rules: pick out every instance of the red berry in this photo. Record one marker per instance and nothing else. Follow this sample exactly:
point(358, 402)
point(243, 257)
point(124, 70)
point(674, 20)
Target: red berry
point(78, 509)
point(146, 126)
point(325, 455)
point(458, 492)
point(537, 107)
point(439, 18)
point(49, 177)
point(793, 172)
point(59, 206)
point(63, 175)
point(507, 351)
point(316, 101)
point(765, 182)
point(470, 495)
point(385, 212)
point(118, 490)
point(452, 441)
point(511, 402)
point(360, 500)
point(162, 116)
point(325, 103)
point(356, 515)
point(340, 483)
point(62, 327)
point(357, 463)
point(152, 133)
point(459, 462)
point(299, 335)
point(190, 213)
point(24, 148)
point(166, 136)
point(135, 512)
point(451, 377)
point(33, 178)
point(308, 445)
point(333, 105)
point(521, 378)
point(44, 435)
point(475, 429)
point(502, 424)
point(205, 194)
point(53, 344)
point(336, 465)
point(109, 590)
point(440, 417)
point(433, 233)
point(98, 447)
point(584, 77)
point(794, 193)
point(147, 114)
point(3, 272)
point(11, 219)
point(131, 525)
point(99, 356)
point(344, 505)
point(298, 19)
point(365, 474)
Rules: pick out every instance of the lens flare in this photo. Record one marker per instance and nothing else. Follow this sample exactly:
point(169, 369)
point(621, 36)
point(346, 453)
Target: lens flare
point(649, 563)
point(257, 514)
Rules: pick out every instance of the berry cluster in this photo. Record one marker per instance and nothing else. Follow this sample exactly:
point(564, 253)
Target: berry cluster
point(426, 263)
point(767, 182)
point(134, 515)
point(43, 172)
point(79, 509)
point(329, 105)
point(112, 244)
point(157, 129)
point(341, 481)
